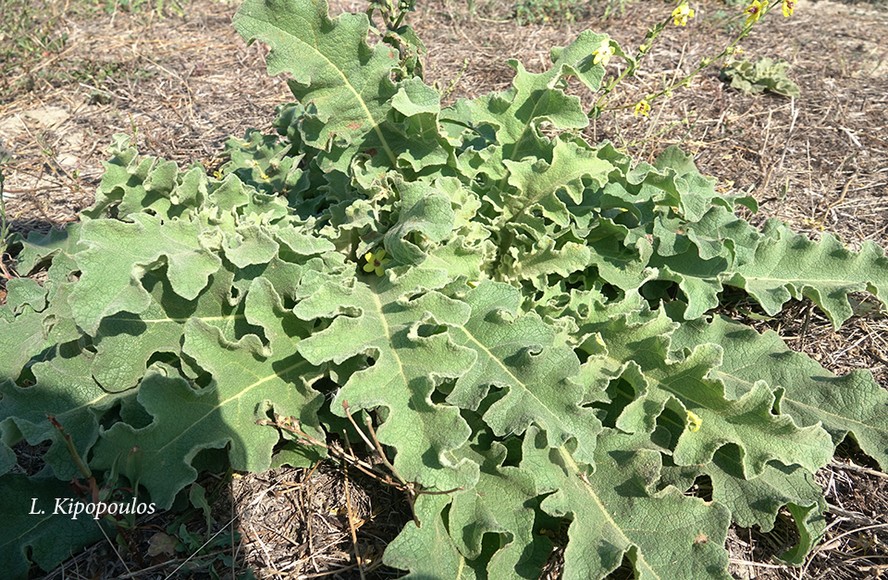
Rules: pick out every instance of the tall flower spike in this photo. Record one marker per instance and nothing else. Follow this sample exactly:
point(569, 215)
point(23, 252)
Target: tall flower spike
point(753, 12)
point(603, 53)
point(788, 8)
point(682, 14)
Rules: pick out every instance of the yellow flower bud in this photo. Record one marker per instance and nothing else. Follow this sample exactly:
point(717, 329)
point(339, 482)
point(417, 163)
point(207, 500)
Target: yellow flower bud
point(682, 14)
point(694, 422)
point(642, 108)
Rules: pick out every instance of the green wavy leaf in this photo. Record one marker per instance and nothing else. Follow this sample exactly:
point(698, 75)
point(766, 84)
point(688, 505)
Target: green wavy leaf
point(519, 356)
point(789, 265)
point(853, 403)
point(250, 378)
point(396, 322)
point(615, 513)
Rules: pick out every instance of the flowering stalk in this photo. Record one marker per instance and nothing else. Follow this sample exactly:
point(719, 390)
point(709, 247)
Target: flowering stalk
point(754, 12)
point(652, 34)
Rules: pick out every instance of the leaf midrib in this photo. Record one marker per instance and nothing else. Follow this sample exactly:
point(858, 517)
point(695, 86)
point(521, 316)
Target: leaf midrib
point(810, 282)
point(238, 395)
point(388, 335)
point(575, 469)
point(345, 82)
point(518, 381)
point(806, 405)
point(178, 320)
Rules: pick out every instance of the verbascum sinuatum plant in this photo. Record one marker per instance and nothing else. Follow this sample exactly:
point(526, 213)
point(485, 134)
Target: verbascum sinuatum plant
point(529, 322)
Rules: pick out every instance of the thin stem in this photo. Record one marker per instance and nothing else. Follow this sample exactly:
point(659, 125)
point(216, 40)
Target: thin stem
point(4, 228)
point(351, 523)
point(704, 62)
point(289, 425)
point(375, 445)
point(355, 425)
point(400, 20)
point(82, 467)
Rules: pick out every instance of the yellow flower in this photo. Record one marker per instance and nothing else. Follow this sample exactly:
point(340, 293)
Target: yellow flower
point(603, 53)
point(788, 8)
point(642, 108)
point(694, 421)
point(682, 14)
point(375, 262)
point(754, 12)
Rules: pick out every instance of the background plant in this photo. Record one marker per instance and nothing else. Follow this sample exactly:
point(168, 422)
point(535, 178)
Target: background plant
point(541, 335)
point(616, 7)
point(539, 11)
point(762, 75)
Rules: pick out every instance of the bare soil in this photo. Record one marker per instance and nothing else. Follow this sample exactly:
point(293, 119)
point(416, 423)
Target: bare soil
point(181, 84)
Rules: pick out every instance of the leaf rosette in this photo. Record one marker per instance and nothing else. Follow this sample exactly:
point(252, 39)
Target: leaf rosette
point(540, 347)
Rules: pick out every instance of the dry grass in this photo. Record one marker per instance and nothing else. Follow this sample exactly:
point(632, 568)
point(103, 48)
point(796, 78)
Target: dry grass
point(182, 85)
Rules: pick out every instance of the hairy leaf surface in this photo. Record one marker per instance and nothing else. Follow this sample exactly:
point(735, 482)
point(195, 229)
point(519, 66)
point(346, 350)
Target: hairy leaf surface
point(396, 321)
point(853, 403)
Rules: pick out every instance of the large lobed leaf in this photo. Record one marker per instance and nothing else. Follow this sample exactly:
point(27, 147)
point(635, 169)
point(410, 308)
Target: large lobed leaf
point(395, 322)
point(521, 355)
point(343, 81)
point(250, 379)
point(852, 404)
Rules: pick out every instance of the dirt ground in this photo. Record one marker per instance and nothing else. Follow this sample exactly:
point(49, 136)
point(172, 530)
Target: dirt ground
point(181, 84)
